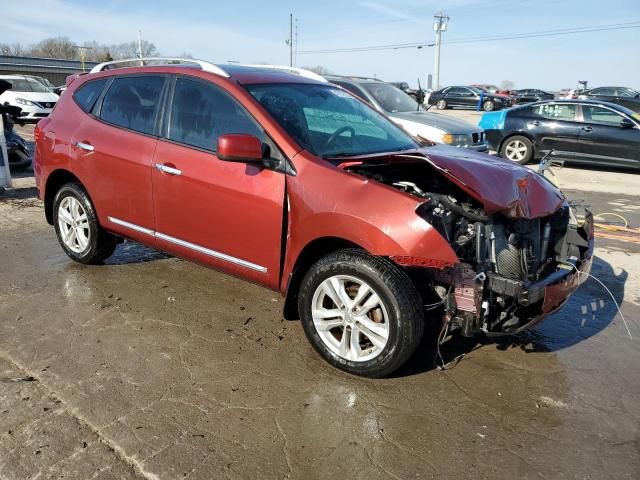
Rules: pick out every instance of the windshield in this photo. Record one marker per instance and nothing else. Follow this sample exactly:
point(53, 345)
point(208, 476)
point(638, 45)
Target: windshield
point(390, 98)
point(26, 85)
point(328, 121)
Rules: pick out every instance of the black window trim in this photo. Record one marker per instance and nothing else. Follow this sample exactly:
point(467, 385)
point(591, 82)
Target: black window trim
point(97, 108)
point(283, 165)
point(107, 81)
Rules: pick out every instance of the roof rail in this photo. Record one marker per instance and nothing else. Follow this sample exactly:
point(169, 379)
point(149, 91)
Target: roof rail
point(204, 66)
point(298, 71)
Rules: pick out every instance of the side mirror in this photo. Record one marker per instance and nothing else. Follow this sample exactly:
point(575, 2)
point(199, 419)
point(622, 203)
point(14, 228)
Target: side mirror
point(626, 123)
point(236, 147)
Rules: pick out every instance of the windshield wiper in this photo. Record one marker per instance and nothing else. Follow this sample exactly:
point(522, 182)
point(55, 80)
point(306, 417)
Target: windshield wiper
point(340, 155)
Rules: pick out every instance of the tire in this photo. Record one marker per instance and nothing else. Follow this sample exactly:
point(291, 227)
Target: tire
point(488, 106)
point(441, 104)
point(518, 149)
point(87, 243)
point(387, 334)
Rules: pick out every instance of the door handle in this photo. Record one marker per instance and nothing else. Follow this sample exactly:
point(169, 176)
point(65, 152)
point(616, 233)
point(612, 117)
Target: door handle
point(587, 129)
point(535, 123)
point(85, 146)
point(168, 169)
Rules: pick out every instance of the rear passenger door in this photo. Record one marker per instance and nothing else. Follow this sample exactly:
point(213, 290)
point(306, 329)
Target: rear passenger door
point(113, 149)
point(224, 214)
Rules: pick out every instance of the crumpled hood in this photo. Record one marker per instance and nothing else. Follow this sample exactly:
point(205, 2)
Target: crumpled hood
point(437, 120)
point(500, 185)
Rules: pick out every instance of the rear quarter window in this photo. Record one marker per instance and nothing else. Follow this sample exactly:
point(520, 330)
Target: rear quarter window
point(88, 93)
point(555, 111)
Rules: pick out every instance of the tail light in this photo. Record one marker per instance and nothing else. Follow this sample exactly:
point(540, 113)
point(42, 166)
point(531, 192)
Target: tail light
point(37, 133)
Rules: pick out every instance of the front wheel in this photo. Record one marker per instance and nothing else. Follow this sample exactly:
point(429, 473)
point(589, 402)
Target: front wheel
point(361, 313)
point(77, 227)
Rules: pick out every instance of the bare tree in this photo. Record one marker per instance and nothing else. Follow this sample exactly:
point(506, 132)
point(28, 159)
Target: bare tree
point(96, 52)
point(507, 85)
point(64, 48)
point(55, 47)
point(130, 49)
point(12, 49)
point(319, 69)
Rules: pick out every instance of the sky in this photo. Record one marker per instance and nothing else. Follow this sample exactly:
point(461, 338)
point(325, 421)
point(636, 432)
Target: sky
point(253, 31)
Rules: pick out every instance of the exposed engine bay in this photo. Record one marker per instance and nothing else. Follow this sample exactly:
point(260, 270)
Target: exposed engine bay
point(506, 264)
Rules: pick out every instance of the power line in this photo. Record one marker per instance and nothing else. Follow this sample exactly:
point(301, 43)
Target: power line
point(546, 33)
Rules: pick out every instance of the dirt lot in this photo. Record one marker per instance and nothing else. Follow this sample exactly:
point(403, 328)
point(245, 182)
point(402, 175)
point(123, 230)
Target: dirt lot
point(153, 367)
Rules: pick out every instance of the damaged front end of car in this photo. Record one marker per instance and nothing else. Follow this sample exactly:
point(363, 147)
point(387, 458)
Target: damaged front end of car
point(521, 248)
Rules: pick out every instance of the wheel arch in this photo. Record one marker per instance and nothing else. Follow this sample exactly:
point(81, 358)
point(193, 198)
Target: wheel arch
point(313, 251)
point(55, 180)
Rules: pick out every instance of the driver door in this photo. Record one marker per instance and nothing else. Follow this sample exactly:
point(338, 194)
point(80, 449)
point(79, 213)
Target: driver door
point(224, 214)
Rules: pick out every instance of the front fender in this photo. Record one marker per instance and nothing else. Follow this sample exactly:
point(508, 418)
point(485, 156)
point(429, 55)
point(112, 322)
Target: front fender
point(326, 201)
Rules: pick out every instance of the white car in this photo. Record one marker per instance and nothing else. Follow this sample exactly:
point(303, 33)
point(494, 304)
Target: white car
point(35, 99)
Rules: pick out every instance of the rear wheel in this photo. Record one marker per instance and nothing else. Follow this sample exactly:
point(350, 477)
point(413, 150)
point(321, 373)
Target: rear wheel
point(77, 227)
point(518, 149)
point(361, 313)
point(441, 104)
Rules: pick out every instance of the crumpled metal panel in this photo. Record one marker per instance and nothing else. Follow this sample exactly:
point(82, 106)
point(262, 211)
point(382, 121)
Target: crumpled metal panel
point(501, 186)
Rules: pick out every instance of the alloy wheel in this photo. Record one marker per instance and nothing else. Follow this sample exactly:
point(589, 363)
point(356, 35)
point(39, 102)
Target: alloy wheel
point(350, 318)
point(516, 151)
point(74, 224)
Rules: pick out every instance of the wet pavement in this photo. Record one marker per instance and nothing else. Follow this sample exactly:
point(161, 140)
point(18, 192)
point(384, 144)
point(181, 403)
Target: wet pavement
point(154, 367)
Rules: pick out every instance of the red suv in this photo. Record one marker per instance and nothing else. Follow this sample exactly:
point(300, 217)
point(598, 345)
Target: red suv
point(293, 183)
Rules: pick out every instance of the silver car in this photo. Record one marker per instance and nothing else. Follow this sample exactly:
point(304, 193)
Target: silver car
point(411, 116)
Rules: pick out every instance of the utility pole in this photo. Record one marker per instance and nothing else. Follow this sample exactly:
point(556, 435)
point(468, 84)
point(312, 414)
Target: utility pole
point(290, 40)
point(439, 26)
point(139, 45)
point(295, 43)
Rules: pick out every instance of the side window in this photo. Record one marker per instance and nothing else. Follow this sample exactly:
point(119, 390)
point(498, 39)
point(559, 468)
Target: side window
point(627, 92)
point(555, 111)
point(456, 91)
point(201, 112)
point(603, 116)
point(132, 102)
point(605, 92)
point(87, 94)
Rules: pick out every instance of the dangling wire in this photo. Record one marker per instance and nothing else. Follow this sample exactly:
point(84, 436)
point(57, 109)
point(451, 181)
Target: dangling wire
point(608, 291)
